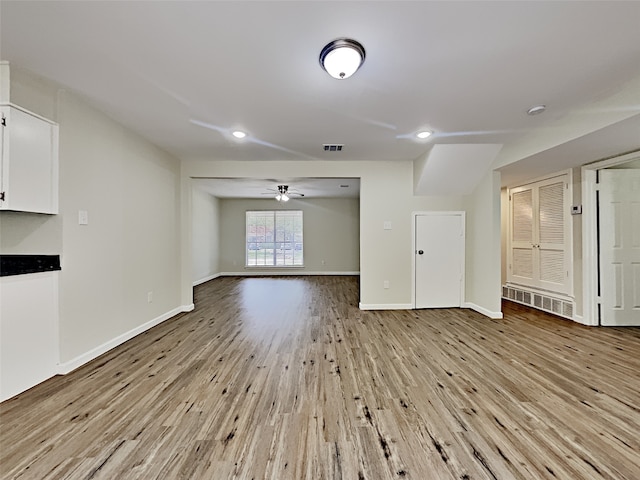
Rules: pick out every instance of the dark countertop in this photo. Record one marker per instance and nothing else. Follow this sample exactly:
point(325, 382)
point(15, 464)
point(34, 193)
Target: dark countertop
point(23, 264)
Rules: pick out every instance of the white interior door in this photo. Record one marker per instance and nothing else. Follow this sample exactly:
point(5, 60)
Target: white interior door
point(619, 206)
point(439, 260)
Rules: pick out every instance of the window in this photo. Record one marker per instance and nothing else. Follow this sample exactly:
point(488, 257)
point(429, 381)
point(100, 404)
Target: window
point(274, 238)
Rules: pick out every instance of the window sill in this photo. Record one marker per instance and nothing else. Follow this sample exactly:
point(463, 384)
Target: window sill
point(273, 267)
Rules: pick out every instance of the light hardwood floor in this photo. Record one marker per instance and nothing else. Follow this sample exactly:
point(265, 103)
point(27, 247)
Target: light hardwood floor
point(285, 378)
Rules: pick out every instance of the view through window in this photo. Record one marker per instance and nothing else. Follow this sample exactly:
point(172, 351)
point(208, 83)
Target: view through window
point(274, 238)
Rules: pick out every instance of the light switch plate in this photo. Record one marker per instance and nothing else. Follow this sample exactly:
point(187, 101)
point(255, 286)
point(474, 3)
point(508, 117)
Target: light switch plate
point(83, 217)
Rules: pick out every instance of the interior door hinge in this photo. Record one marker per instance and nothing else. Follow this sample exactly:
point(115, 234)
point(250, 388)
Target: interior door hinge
point(1, 196)
point(4, 121)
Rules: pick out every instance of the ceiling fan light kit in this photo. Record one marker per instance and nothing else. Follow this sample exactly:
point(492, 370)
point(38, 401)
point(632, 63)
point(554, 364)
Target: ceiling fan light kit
point(283, 193)
point(342, 57)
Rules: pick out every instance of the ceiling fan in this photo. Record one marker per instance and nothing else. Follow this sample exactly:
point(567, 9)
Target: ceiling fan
point(283, 194)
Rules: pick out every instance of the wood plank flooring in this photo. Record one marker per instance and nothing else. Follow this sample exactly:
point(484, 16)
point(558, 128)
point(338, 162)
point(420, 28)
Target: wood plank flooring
point(285, 378)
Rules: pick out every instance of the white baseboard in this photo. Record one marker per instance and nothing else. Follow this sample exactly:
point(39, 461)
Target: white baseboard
point(206, 279)
point(482, 310)
point(581, 320)
point(385, 306)
point(271, 273)
point(67, 367)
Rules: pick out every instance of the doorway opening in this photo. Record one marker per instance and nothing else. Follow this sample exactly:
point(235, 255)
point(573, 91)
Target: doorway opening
point(611, 241)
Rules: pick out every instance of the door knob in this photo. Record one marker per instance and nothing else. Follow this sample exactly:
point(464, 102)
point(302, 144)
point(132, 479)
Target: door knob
point(420, 252)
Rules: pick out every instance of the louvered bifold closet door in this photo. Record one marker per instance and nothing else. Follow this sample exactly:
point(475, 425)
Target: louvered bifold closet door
point(522, 236)
point(540, 240)
point(551, 245)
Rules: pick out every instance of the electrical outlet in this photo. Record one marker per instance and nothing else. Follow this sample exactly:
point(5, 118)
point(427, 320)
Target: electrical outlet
point(149, 297)
point(386, 284)
point(323, 262)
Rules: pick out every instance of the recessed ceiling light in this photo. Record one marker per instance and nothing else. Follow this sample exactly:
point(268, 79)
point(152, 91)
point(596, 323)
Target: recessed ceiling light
point(238, 134)
point(536, 109)
point(424, 134)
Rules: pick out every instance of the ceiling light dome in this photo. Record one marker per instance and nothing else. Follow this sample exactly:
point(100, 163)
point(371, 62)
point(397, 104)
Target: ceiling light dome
point(536, 109)
point(342, 58)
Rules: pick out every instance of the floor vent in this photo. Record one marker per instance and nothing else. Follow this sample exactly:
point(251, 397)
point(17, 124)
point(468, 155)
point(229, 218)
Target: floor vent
point(540, 301)
point(333, 147)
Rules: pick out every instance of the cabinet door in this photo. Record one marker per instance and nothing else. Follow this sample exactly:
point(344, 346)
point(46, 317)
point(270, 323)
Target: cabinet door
point(29, 163)
point(522, 235)
point(551, 246)
point(540, 239)
point(28, 331)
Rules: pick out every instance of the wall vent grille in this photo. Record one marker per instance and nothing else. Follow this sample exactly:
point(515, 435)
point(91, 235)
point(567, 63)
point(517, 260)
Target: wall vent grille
point(540, 301)
point(333, 147)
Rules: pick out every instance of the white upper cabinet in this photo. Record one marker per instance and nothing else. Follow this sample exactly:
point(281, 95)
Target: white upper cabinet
point(29, 162)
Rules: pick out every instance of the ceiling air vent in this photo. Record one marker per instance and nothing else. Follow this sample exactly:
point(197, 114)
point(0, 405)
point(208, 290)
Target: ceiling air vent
point(333, 147)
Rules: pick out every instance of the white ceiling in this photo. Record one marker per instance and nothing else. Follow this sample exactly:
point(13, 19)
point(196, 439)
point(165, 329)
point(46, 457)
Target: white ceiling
point(184, 74)
point(267, 188)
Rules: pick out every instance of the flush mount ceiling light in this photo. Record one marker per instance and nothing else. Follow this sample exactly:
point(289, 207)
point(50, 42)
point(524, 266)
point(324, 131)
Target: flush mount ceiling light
point(342, 58)
point(424, 134)
point(536, 109)
point(238, 134)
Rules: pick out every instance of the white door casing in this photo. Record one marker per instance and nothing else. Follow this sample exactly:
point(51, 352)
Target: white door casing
point(619, 215)
point(439, 269)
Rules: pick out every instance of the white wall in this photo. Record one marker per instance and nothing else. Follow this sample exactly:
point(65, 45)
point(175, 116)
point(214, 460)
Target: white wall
point(576, 223)
point(130, 246)
point(205, 236)
point(386, 194)
point(331, 232)
point(30, 233)
point(483, 273)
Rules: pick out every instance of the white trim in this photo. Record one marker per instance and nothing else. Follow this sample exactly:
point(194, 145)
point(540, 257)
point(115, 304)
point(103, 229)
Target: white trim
point(414, 215)
point(28, 112)
point(590, 297)
point(589, 248)
point(579, 319)
point(549, 176)
point(67, 367)
point(482, 310)
point(206, 279)
point(385, 306)
point(277, 273)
